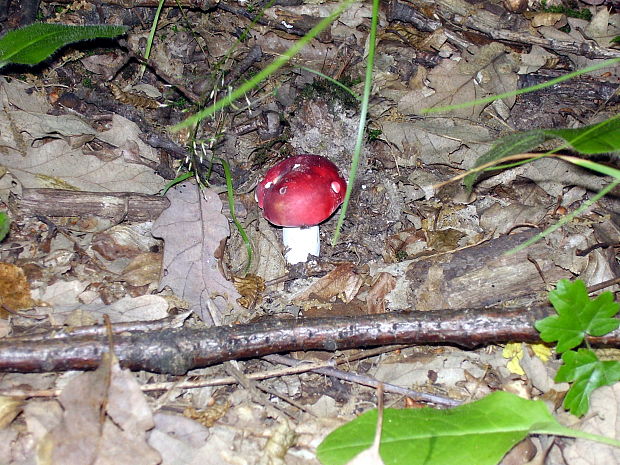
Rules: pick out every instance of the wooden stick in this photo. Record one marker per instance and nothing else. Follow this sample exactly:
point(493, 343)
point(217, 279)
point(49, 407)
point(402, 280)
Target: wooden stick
point(177, 351)
point(119, 206)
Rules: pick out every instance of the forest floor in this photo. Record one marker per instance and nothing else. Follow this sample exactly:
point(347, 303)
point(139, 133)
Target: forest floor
point(96, 252)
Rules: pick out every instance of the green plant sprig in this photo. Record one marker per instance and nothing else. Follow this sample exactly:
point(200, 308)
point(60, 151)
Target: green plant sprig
point(579, 316)
point(481, 432)
point(151, 38)
point(231, 206)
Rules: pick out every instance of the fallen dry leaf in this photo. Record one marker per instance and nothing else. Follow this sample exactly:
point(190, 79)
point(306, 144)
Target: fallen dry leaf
point(10, 407)
point(143, 269)
point(193, 228)
point(104, 422)
point(61, 163)
point(53, 165)
point(341, 282)
point(489, 71)
point(375, 299)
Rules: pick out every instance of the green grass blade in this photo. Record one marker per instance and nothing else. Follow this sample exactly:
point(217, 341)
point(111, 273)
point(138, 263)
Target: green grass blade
point(603, 169)
point(149, 42)
point(179, 179)
point(362, 124)
point(231, 205)
point(266, 72)
point(5, 225)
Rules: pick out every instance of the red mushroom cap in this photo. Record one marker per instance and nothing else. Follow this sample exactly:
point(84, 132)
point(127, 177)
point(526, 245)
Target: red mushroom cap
point(303, 190)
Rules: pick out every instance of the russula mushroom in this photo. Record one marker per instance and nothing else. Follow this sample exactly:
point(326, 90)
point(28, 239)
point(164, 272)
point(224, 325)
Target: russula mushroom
point(299, 193)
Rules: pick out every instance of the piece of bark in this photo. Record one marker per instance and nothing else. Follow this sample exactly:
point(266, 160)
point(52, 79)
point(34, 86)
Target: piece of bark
point(176, 351)
point(479, 276)
point(118, 206)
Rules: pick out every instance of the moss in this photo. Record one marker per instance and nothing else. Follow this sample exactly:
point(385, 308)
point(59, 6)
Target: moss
point(323, 88)
point(572, 10)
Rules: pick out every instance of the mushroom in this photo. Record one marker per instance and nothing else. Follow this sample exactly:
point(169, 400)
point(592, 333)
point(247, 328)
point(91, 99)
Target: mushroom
point(299, 193)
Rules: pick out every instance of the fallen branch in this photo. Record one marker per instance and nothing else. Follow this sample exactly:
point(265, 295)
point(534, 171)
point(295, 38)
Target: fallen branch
point(461, 14)
point(117, 206)
point(177, 351)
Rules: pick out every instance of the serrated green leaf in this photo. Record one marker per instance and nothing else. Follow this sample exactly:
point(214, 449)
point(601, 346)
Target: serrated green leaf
point(577, 315)
point(479, 433)
point(5, 224)
point(597, 138)
point(512, 144)
point(36, 42)
point(587, 373)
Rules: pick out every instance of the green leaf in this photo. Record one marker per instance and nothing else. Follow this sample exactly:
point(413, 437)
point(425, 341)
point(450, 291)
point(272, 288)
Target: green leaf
point(509, 145)
point(587, 373)
point(5, 224)
point(577, 315)
point(34, 43)
point(598, 138)
point(479, 433)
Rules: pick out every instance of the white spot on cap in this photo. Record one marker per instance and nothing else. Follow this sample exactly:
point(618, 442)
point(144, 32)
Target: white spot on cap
point(336, 187)
point(268, 185)
point(296, 166)
point(282, 190)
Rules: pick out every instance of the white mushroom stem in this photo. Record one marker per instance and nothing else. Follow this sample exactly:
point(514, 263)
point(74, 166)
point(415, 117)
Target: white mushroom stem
point(300, 242)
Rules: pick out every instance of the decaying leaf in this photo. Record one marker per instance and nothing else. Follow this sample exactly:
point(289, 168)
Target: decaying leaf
point(66, 299)
point(603, 419)
point(251, 288)
point(375, 299)
point(9, 409)
point(143, 269)
point(61, 163)
point(105, 421)
point(53, 165)
point(282, 438)
point(193, 228)
point(341, 282)
point(489, 71)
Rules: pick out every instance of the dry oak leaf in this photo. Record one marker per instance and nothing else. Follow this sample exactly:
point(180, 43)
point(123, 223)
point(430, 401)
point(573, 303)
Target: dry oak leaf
point(193, 228)
point(341, 282)
point(489, 71)
point(382, 286)
point(104, 422)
